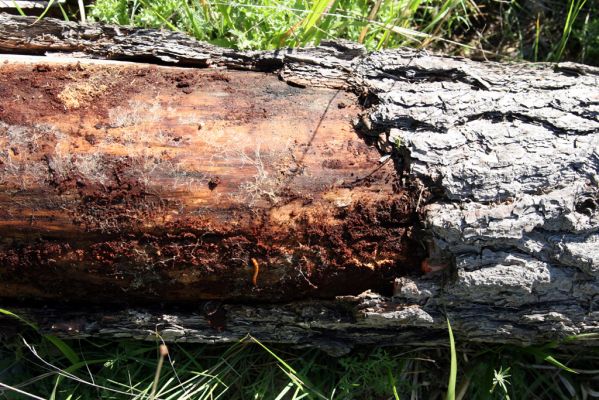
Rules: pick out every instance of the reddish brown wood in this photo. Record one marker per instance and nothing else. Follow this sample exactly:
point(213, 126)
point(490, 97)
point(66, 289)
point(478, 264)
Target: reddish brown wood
point(123, 182)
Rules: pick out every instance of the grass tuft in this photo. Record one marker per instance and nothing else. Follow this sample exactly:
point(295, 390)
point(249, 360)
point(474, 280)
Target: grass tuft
point(33, 365)
point(539, 30)
point(483, 28)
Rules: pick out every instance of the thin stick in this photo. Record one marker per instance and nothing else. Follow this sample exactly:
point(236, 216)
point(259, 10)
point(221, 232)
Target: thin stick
point(163, 353)
point(14, 389)
point(371, 16)
point(82, 11)
point(256, 271)
point(419, 198)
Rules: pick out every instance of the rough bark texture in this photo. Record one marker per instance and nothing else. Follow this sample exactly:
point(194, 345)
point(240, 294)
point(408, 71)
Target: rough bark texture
point(505, 159)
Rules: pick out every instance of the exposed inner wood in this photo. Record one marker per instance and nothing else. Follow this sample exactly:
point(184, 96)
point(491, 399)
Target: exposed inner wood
point(140, 183)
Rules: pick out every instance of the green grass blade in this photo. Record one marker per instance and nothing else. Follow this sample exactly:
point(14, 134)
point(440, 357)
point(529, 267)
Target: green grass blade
point(55, 388)
point(318, 9)
point(284, 392)
point(13, 315)
point(19, 9)
point(276, 357)
point(545, 356)
point(65, 16)
point(316, 12)
point(573, 11)
point(537, 37)
point(192, 20)
point(453, 369)
point(551, 360)
point(164, 20)
point(291, 373)
point(582, 336)
point(43, 14)
point(392, 383)
point(64, 348)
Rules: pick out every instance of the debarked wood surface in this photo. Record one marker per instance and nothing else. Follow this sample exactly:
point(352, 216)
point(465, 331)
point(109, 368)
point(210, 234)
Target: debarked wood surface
point(131, 182)
point(252, 188)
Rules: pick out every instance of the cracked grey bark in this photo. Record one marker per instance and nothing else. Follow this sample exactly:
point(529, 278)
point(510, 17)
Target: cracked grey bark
point(507, 156)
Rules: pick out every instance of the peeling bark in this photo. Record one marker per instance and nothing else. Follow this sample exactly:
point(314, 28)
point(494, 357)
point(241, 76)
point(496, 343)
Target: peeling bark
point(499, 162)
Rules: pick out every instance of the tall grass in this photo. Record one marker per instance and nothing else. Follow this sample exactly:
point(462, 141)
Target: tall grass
point(543, 30)
point(33, 367)
point(484, 28)
point(540, 30)
point(573, 12)
point(272, 23)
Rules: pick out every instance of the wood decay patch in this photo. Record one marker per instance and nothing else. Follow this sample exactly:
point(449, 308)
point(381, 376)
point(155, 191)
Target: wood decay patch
point(129, 183)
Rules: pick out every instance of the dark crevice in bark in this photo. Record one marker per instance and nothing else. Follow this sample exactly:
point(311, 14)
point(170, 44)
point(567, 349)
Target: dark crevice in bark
point(417, 75)
point(157, 59)
point(496, 116)
point(409, 123)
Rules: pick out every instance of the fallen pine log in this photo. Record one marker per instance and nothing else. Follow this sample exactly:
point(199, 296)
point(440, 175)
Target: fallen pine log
point(302, 177)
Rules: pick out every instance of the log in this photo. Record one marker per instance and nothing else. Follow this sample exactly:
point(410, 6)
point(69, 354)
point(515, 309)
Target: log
point(322, 196)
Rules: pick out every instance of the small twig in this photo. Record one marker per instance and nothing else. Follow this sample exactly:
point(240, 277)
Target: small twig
point(14, 389)
point(163, 353)
point(256, 271)
point(68, 375)
point(82, 11)
point(419, 198)
point(351, 185)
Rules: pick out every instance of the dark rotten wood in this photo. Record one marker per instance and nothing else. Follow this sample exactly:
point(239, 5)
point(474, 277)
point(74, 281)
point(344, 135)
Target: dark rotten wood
point(497, 165)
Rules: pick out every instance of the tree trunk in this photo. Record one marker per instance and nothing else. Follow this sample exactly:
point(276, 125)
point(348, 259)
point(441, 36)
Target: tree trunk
point(445, 187)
